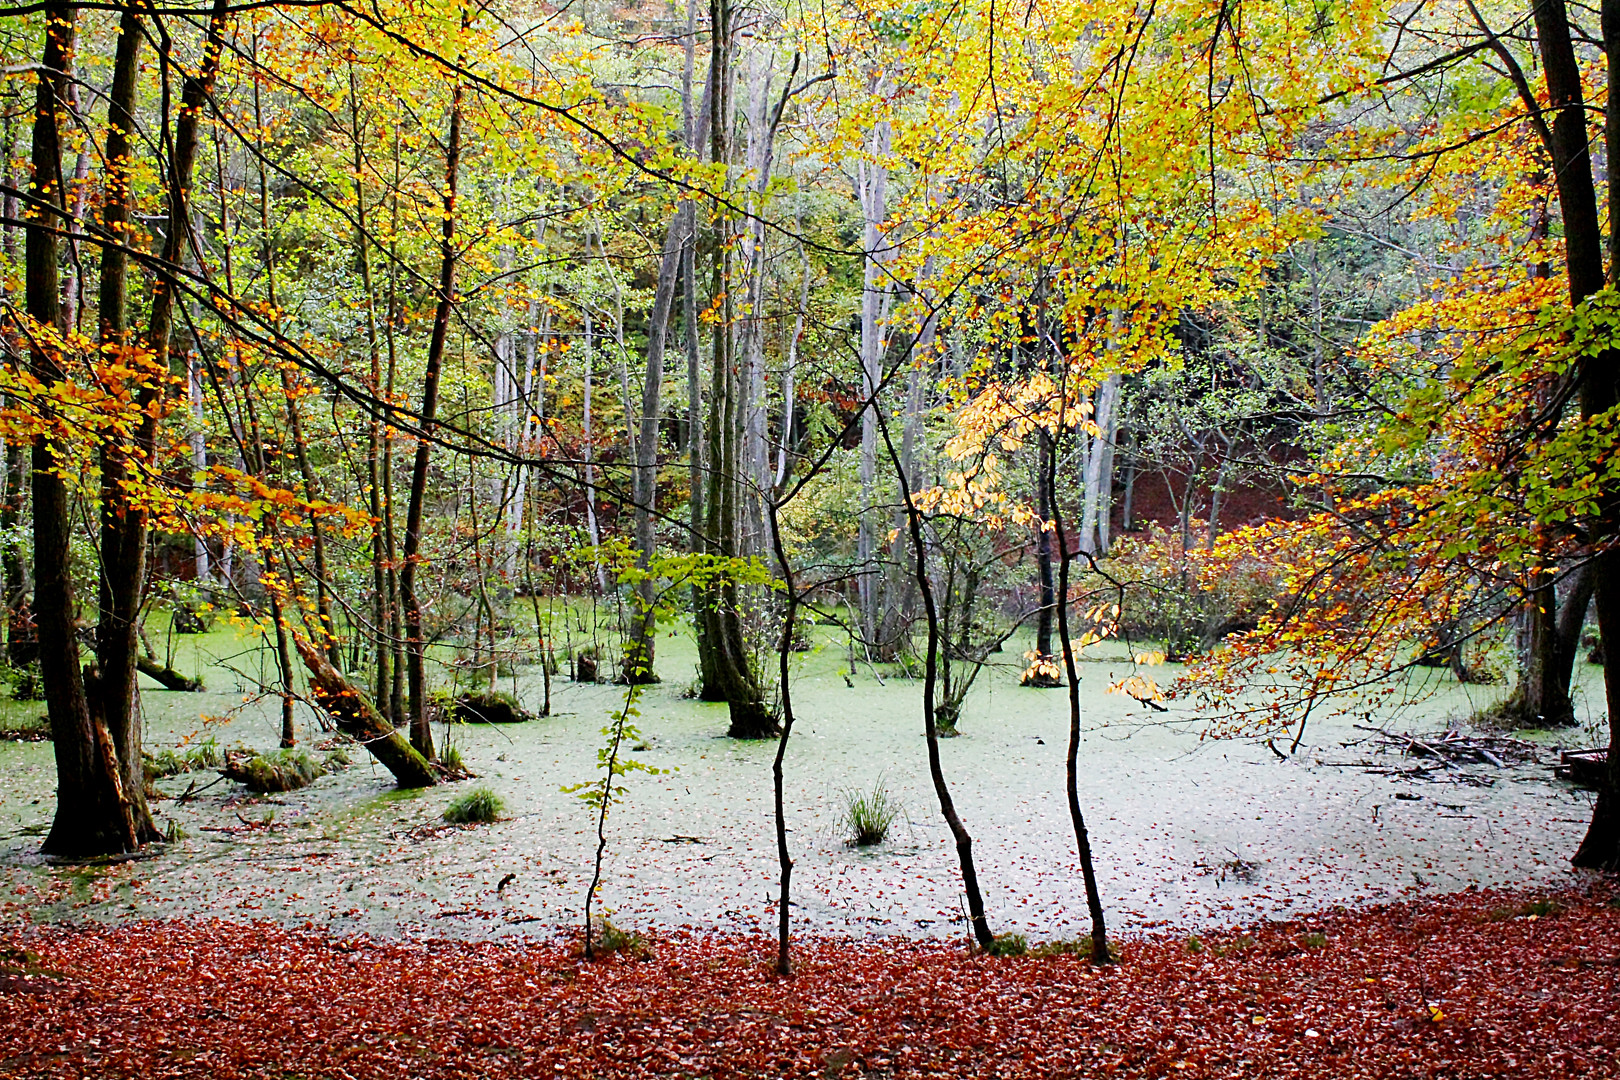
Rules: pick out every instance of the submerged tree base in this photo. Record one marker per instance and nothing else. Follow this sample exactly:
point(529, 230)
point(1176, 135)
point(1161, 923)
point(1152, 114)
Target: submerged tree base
point(752, 720)
point(1516, 712)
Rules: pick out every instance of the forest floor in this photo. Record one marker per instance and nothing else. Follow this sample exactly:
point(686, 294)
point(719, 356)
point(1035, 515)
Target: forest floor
point(1473, 984)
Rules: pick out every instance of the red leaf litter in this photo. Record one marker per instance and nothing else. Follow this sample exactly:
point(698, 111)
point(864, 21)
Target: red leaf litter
point(1463, 986)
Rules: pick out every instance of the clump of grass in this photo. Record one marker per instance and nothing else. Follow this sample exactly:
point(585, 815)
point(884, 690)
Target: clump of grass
point(1314, 940)
point(1535, 909)
point(1195, 944)
point(1242, 943)
point(29, 729)
point(607, 939)
point(478, 806)
point(868, 815)
point(1007, 945)
point(171, 762)
point(450, 758)
point(1081, 946)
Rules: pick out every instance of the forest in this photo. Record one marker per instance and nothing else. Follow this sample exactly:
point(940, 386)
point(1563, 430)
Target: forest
point(910, 538)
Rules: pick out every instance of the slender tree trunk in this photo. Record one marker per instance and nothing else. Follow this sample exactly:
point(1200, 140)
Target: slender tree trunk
point(638, 665)
point(124, 529)
point(21, 648)
point(382, 594)
point(1082, 838)
point(695, 146)
point(784, 651)
point(872, 183)
point(415, 645)
point(947, 807)
point(1098, 485)
point(1044, 470)
point(395, 709)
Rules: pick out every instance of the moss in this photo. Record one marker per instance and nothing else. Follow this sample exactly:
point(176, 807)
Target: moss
point(278, 770)
point(492, 707)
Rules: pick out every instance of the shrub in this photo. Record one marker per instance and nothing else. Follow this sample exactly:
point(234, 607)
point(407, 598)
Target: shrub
point(868, 815)
point(27, 729)
point(478, 806)
point(1172, 596)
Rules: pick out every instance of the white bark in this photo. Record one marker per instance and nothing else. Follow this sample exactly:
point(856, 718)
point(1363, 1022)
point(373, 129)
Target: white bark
point(871, 182)
point(1096, 507)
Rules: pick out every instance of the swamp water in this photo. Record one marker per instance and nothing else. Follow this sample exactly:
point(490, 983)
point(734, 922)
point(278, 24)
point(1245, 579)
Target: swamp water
point(1186, 833)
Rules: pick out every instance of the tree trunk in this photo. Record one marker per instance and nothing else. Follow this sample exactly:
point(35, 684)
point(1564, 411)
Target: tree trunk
point(93, 813)
point(382, 594)
point(872, 188)
point(21, 648)
point(1082, 838)
point(1044, 468)
point(638, 653)
point(123, 526)
point(166, 676)
point(1542, 698)
point(1098, 486)
point(1600, 374)
point(124, 520)
point(978, 921)
point(357, 718)
point(723, 655)
point(415, 645)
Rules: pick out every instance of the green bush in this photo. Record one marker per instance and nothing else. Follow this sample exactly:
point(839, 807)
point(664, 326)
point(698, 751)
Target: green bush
point(868, 815)
point(478, 806)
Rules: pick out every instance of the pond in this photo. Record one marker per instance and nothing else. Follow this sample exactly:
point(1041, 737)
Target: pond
point(1188, 832)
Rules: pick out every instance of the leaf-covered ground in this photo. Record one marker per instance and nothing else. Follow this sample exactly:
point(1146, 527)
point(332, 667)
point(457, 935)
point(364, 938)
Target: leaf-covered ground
point(1470, 985)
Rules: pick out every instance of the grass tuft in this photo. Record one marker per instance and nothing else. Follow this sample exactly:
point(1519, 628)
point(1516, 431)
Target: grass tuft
point(478, 806)
point(607, 939)
point(1533, 909)
point(167, 762)
point(1007, 945)
point(868, 815)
